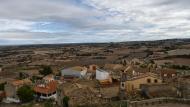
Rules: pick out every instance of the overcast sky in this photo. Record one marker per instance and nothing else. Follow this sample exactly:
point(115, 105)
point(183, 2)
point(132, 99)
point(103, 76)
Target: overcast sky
point(86, 21)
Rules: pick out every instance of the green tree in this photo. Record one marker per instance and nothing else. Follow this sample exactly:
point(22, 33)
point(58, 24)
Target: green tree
point(48, 104)
point(2, 86)
point(66, 101)
point(25, 93)
point(46, 70)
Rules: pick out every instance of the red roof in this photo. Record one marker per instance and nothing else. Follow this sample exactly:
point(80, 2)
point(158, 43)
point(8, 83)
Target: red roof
point(46, 88)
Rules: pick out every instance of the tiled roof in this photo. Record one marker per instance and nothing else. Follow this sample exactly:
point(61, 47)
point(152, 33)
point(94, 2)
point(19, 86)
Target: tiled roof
point(46, 88)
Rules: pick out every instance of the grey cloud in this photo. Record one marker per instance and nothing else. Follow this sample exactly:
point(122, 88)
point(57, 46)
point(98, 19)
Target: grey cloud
point(106, 20)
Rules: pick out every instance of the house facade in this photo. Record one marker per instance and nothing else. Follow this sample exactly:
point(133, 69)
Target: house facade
point(103, 77)
point(12, 87)
point(46, 90)
point(168, 74)
point(134, 83)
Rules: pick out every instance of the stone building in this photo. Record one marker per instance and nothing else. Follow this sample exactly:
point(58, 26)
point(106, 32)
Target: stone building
point(12, 87)
point(122, 87)
point(133, 84)
point(132, 79)
point(46, 90)
point(168, 74)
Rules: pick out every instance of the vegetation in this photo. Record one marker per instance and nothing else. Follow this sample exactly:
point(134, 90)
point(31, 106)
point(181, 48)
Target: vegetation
point(179, 56)
point(66, 101)
point(46, 70)
point(48, 103)
point(25, 93)
point(149, 52)
point(143, 65)
point(180, 67)
point(2, 86)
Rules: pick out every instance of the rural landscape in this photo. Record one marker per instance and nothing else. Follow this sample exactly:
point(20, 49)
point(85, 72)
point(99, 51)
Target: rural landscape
point(134, 74)
point(94, 53)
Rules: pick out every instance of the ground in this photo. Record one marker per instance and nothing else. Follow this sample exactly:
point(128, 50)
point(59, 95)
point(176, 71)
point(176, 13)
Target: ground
point(169, 105)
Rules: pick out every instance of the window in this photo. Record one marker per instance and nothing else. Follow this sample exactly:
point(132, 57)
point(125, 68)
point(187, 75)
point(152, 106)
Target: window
point(94, 68)
point(155, 81)
point(122, 85)
point(173, 75)
point(148, 80)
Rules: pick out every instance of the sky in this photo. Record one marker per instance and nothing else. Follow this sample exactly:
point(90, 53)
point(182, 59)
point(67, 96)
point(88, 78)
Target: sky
point(92, 21)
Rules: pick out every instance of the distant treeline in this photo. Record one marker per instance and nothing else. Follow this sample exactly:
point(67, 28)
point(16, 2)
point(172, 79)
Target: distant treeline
point(180, 67)
point(178, 56)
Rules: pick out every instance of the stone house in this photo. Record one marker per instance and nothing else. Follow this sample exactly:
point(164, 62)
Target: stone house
point(168, 74)
point(12, 86)
point(46, 90)
point(133, 84)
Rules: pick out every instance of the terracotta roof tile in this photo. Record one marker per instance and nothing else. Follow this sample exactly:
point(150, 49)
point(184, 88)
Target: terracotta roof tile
point(46, 88)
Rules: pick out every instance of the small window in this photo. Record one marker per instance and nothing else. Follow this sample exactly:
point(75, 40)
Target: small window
point(94, 68)
point(173, 75)
point(122, 85)
point(148, 80)
point(155, 81)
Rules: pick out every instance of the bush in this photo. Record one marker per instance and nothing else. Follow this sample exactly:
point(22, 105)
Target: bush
point(2, 86)
point(48, 104)
point(25, 93)
point(66, 101)
point(46, 70)
point(182, 67)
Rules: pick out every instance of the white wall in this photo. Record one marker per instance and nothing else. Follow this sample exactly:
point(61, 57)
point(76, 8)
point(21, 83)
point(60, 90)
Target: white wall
point(101, 75)
point(83, 72)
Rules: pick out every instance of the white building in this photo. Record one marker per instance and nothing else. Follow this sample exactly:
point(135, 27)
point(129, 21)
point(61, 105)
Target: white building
point(102, 75)
point(76, 72)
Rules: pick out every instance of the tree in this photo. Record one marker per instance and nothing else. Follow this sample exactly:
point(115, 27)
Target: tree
point(46, 70)
point(48, 103)
point(2, 86)
point(25, 93)
point(66, 101)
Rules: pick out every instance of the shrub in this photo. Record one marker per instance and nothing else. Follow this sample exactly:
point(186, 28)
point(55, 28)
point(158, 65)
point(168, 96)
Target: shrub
point(25, 93)
point(46, 70)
